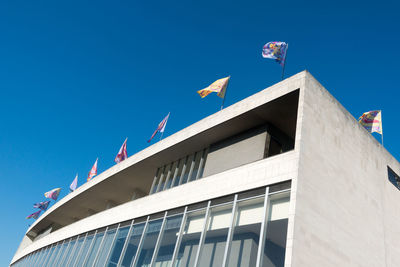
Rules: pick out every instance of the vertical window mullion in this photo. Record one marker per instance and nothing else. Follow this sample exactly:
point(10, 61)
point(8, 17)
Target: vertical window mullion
point(178, 241)
point(175, 173)
point(72, 252)
point(128, 236)
point(80, 250)
point(203, 234)
point(154, 181)
point(263, 230)
point(58, 253)
point(160, 236)
point(65, 253)
point(201, 164)
point(100, 247)
point(183, 170)
point(89, 248)
point(112, 245)
point(134, 262)
point(168, 176)
point(230, 233)
point(160, 180)
point(192, 164)
point(45, 259)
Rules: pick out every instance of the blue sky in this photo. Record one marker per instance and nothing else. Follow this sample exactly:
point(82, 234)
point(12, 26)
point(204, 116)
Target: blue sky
point(78, 77)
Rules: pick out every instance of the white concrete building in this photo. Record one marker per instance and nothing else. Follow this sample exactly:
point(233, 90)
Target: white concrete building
point(285, 177)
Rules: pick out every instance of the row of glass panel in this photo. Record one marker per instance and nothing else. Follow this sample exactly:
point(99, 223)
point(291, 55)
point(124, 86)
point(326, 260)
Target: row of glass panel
point(179, 172)
point(247, 232)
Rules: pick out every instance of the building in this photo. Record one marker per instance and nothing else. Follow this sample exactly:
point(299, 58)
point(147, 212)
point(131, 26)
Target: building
point(285, 177)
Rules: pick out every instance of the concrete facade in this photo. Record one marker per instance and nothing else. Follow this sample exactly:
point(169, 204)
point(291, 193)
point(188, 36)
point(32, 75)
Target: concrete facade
point(343, 211)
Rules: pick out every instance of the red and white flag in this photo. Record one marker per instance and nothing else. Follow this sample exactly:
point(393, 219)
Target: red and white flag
point(160, 128)
point(122, 153)
point(93, 171)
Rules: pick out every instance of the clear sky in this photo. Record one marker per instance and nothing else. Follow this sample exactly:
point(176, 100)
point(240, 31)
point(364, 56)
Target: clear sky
point(78, 77)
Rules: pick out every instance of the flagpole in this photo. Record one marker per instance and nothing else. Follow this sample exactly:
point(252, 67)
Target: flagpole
point(284, 62)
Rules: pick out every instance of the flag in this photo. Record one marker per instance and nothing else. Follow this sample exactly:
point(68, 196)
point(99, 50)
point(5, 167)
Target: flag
point(41, 205)
point(53, 194)
point(219, 86)
point(122, 153)
point(34, 215)
point(275, 50)
point(160, 127)
point(93, 171)
point(74, 184)
point(372, 121)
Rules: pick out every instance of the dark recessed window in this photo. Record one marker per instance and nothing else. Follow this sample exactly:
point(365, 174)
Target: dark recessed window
point(394, 178)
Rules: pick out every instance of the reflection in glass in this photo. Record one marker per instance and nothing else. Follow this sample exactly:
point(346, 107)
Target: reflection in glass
point(84, 250)
point(105, 247)
point(48, 256)
point(149, 242)
point(68, 252)
point(118, 245)
point(212, 253)
point(95, 247)
point(61, 253)
point(167, 243)
point(246, 233)
point(275, 242)
point(53, 255)
point(190, 239)
point(76, 251)
point(133, 244)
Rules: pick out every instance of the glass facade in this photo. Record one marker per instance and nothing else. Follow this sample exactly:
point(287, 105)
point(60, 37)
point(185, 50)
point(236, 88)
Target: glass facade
point(246, 230)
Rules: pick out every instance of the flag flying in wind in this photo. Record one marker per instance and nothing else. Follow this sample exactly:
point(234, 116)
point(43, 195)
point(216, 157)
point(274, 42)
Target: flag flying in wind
point(219, 87)
point(74, 184)
point(34, 215)
point(93, 171)
point(122, 153)
point(160, 127)
point(275, 50)
point(53, 194)
point(41, 205)
point(372, 121)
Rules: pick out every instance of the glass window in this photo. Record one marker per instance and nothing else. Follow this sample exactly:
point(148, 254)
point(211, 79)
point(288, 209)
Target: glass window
point(51, 250)
point(167, 243)
point(275, 147)
point(133, 244)
point(84, 250)
point(275, 242)
point(212, 253)
point(76, 251)
point(68, 252)
point(95, 247)
point(394, 178)
point(246, 233)
point(118, 245)
point(61, 253)
point(53, 255)
point(149, 242)
point(105, 247)
point(190, 238)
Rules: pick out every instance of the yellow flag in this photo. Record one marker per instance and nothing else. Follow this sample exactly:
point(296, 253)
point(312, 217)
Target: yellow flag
point(219, 87)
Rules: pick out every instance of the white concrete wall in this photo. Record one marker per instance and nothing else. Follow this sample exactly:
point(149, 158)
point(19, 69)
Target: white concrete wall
point(272, 170)
point(347, 213)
